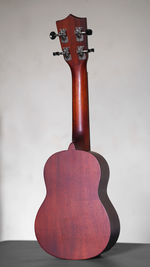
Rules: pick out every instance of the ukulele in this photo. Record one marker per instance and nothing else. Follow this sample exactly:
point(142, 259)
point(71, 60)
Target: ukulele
point(76, 219)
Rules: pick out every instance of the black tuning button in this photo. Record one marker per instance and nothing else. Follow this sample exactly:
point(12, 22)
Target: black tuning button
point(89, 50)
point(65, 53)
point(79, 32)
point(53, 35)
point(82, 52)
point(89, 32)
point(62, 34)
point(57, 53)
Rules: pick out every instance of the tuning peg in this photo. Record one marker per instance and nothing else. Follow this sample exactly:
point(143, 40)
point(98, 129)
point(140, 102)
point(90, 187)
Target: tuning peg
point(88, 32)
point(53, 35)
point(57, 53)
point(81, 52)
point(79, 33)
point(88, 50)
point(62, 34)
point(65, 53)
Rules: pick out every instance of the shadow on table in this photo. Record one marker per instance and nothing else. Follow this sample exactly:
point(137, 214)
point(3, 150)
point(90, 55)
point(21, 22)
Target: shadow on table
point(114, 257)
point(29, 254)
point(123, 248)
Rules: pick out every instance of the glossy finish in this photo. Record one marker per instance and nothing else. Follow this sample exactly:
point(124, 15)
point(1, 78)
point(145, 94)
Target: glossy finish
point(80, 110)
point(76, 219)
point(80, 107)
point(72, 222)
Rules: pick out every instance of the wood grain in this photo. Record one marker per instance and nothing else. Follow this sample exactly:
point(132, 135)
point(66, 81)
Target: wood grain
point(80, 105)
point(77, 219)
point(72, 222)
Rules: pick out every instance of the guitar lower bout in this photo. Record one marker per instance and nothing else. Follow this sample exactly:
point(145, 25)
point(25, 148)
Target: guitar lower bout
point(73, 222)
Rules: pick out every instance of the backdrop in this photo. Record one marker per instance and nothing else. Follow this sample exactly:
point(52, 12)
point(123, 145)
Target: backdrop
point(35, 113)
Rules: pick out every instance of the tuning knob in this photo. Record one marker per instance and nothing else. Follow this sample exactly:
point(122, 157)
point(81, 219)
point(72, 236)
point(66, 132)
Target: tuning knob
point(57, 53)
point(53, 35)
point(81, 52)
point(62, 34)
point(88, 50)
point(88, 32)
point(79, 33)
point(65, 53)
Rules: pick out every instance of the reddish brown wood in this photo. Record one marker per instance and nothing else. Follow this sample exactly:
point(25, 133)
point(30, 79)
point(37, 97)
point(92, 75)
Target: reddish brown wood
point(72, 222)
point(80, 107)
point(69, 23)
point(77, 219)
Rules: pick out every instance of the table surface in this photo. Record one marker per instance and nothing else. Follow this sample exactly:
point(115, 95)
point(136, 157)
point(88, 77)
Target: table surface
point(29, 254)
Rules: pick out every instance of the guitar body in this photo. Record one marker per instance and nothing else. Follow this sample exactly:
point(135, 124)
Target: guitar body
point(76, 220)
point(73, 222)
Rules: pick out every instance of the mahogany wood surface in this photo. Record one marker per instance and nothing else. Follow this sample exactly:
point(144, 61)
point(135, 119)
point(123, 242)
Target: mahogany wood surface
point(80, 106)
point(80, 109)
point(72, 222)
point(77, 219)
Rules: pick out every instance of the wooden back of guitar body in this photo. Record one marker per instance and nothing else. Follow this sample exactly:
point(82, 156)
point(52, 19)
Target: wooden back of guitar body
point(76, 219)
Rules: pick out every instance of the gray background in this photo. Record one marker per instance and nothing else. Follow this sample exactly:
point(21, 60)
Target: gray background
point(35, 115)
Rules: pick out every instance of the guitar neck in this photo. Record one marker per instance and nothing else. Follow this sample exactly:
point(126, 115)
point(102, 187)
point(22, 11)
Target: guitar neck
point(72, 32)
point(80, 108)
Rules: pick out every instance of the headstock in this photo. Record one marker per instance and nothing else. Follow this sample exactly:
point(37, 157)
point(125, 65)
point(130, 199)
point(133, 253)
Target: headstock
point(72, 33)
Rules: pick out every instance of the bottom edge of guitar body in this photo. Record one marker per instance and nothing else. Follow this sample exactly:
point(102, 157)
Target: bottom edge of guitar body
point(109, 244)
point(63, 257)
point(85, 226)
point(80, 254)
